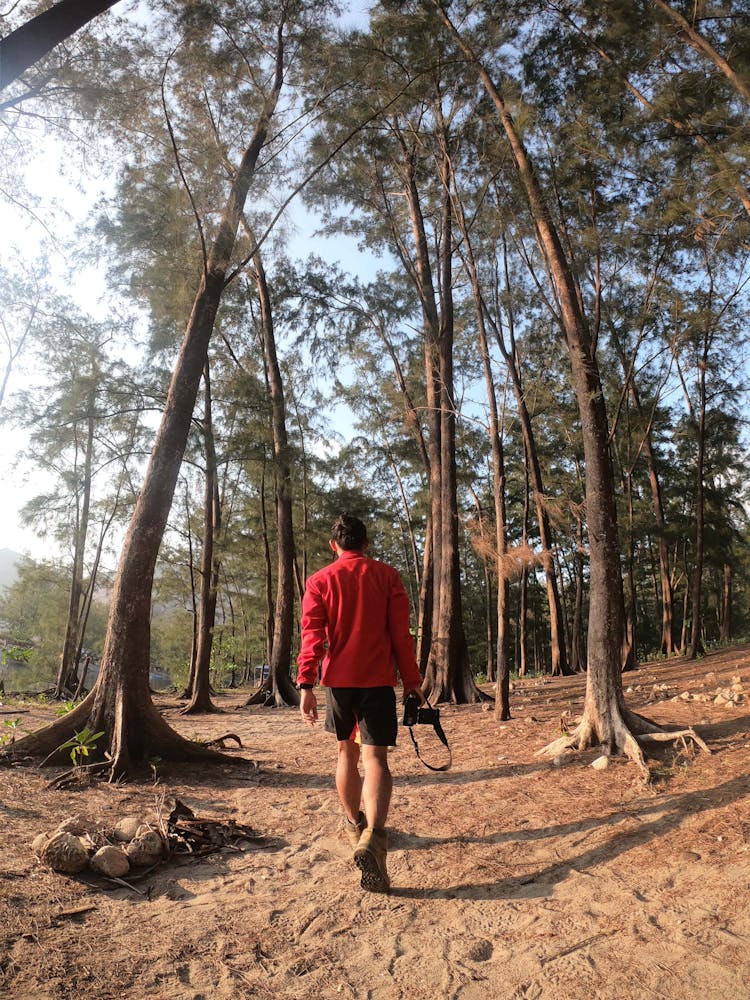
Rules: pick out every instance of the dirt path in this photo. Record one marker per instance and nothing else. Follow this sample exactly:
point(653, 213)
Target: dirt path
point(512, 877)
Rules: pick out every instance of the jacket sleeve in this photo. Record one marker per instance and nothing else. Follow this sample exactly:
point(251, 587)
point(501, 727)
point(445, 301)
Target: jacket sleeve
point(314, 626)
point(402, 641)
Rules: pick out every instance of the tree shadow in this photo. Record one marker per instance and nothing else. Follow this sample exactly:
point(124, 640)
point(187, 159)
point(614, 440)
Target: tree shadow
point(542, 883)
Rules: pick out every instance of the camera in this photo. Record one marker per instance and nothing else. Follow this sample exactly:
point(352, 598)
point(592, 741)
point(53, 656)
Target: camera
point(416, 714)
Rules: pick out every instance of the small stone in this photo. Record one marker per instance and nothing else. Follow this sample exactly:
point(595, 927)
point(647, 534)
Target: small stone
point(600, 763)
point(127, 828)
point(686, 696)
point(559, 760)
point(65, 853)
point(111, 861)
point(480, 951)
point(77, 825)
point(145, 849)
point(39, 843)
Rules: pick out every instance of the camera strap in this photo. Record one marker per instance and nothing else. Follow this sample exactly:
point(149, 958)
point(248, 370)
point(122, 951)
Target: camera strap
point(440, 733)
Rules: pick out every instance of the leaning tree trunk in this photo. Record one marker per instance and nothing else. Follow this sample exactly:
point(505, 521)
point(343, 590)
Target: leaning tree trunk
point(20, 49)
point(120, 703)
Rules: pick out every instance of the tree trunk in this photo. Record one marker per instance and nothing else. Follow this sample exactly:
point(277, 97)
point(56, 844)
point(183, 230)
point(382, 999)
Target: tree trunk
point(725, 634)
point(120, 703)
point(701, 45)
point(278, 689)
point(37, 37)
point(695, 633)
point(270, 614)
point(448, 676)
point(502, 685)
point(200, 701)
point(523, 583)
point(67, 676)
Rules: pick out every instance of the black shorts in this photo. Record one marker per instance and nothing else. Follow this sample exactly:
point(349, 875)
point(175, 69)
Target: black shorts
point(374, 709)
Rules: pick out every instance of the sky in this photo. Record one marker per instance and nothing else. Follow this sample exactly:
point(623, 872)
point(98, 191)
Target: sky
point(67, 205)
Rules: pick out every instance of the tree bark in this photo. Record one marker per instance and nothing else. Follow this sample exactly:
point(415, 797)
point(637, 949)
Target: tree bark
point(200, 700)
point(278, 688)
point(67, 676)
point(37, 37)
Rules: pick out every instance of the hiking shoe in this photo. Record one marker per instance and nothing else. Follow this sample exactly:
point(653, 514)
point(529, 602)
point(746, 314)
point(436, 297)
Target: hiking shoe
point(370, 858)
point(354, 830)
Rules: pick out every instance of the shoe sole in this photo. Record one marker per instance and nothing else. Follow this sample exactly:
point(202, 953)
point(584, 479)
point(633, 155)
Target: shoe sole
point(373, 879)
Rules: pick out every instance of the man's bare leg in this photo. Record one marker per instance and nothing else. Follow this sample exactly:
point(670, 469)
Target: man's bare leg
point(348, 779)
point(377, 785)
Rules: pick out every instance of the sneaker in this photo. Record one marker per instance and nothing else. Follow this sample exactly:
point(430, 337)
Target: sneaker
point(370, 858)
point(354, 830)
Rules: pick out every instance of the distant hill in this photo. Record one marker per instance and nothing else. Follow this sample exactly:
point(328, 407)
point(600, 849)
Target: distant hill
point(8, 562)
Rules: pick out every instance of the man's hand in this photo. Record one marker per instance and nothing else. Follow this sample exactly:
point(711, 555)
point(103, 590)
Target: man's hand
point(417, 692)
point(308, 706)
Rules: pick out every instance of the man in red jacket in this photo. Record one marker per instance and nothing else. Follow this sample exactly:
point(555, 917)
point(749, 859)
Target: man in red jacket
point(355, 631)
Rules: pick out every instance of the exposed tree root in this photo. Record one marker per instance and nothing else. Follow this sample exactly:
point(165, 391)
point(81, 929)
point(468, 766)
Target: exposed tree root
point(220, 741)
point(207, 708)
point(630, 730)
point(126, 746)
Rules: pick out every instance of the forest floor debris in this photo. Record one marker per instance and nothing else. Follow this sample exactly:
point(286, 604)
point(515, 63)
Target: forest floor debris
point(513, 876)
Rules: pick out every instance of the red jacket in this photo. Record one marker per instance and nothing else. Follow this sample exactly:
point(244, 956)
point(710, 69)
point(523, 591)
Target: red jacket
point(356, 607)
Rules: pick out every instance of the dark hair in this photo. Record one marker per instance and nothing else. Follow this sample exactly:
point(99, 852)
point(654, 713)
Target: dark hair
point(349, 532)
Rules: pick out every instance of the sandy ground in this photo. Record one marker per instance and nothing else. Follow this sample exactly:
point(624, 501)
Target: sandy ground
point(512, 877)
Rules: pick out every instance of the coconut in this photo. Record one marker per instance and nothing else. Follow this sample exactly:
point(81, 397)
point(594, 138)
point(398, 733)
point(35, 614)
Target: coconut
point(111, 861)
point(145, 849)
point(65, 853)
point(127, 828)
point(77, 825)
point(39, 843)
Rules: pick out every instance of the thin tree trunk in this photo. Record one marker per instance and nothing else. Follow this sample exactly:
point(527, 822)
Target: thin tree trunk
point(279, 687)
point(67, 677)
point(200, 701)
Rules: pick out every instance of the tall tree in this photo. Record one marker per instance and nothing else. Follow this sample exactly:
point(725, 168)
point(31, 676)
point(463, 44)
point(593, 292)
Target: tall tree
point(120, 704)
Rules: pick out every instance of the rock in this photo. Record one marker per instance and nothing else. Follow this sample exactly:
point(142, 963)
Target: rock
point(39, 843)
point(145, 849)
point(560, 759)
point(686, 696)
point(111, 861)
point(65, 853)
point(600, 763)
point(77, 825)
point(127, 828)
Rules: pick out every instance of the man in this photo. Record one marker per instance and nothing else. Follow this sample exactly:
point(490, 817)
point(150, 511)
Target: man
point(355, 624)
